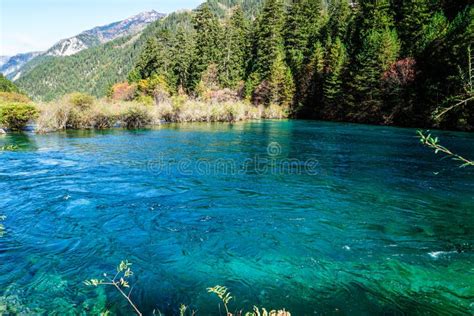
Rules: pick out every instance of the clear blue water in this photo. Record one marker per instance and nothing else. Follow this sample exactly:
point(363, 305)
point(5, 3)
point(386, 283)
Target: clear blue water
point(378, 224)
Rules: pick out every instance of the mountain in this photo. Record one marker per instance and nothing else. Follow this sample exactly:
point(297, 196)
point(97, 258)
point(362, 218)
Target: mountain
point(93, 70)
point(103, 34)
point(12, 65)
point(17, 66)
point(3, 60)
point(223, 7)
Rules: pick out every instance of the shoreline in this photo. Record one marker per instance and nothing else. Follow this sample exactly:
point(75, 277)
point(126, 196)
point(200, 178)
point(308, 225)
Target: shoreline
point(30, 129)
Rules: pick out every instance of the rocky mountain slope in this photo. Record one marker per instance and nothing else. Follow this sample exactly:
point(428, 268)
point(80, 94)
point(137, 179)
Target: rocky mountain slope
point(12, 65)
point(103, 34)
point(17, 66)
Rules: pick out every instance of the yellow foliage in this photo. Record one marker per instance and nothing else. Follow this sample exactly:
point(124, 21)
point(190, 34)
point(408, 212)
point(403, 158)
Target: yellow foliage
point(8, 97)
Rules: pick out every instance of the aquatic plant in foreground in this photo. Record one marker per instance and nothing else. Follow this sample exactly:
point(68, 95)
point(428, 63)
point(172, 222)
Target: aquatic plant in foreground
point(433, 143)
point(2, 228)
point(463, 99)
point(119, 281)
point(225, 296)
point(9, 148)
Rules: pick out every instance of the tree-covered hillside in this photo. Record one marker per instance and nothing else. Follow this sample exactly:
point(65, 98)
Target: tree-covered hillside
point(94, 70)
point(374, 61)
point(7, 86)
point(91, 71)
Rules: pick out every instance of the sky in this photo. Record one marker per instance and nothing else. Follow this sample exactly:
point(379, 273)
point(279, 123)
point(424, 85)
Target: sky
point(36, 25)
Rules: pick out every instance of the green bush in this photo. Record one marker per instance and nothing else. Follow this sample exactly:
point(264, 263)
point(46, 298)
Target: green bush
point(79, 119)
point(137, 117)
point(15, 116)
point(103, 120)
point(13, 97)
point(146, 100)
point(7, 86)
point(81, 100)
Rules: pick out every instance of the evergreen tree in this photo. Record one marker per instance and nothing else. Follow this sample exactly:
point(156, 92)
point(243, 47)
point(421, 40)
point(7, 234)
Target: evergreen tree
point(269, 37)
point(415, 17)
point(183, 54)
point(379, 48)
point(148, 61)
point(281, 85)
point(339, 18)
point(336, 60)
point(442, 72)
point(270, 67)
point(303, 23)
point(7, 86)
point(208, 45)
point(155, 59)
point(369, 15)
point(233, 63)
point(311, 83)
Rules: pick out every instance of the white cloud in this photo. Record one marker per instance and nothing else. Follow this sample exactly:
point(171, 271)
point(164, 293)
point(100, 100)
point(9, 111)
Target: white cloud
point(13, 43)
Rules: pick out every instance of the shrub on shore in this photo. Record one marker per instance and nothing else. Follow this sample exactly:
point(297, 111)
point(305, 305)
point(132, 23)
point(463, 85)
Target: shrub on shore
point(181, 109)
point(15, 116)
point(137, 117)
point(78, 111)
point(81, 100)
point(100, 114)
point(274, 111)
point(9, 97)
point(123, 91)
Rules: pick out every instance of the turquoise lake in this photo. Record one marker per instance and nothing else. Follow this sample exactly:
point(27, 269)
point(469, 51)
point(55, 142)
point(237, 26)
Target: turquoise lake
point(318, 218)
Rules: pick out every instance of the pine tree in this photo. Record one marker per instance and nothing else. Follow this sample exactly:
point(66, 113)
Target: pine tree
point(281, 83)
point(276, 79)
point(339, 18)
point(303, 23)
point(7, 86)
point(309, 93)
point(148, 61)
point(269, 41)
point(379, 48)
point(435, 29)
point(442, 70)
point(336, 60)
point(376, 14)
point(183, 54)
point(415, 16)
point(233, 63)
point(208, 41)
point(155, 58)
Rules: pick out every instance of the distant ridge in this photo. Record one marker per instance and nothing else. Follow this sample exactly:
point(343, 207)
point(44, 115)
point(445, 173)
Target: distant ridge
point(103, 34)
point(12, 67)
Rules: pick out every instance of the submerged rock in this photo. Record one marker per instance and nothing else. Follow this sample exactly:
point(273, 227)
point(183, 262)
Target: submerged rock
point(2, 131)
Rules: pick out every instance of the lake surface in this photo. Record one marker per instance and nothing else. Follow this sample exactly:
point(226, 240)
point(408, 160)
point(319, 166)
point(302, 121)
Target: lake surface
point(320, 218)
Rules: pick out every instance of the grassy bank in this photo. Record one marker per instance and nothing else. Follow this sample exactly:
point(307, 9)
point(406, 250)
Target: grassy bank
point(79, 111)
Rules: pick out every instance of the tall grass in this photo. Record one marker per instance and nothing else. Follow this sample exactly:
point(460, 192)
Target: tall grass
point(100, 114)
point(198, 111)
point(71, 112)
point(182, 109)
